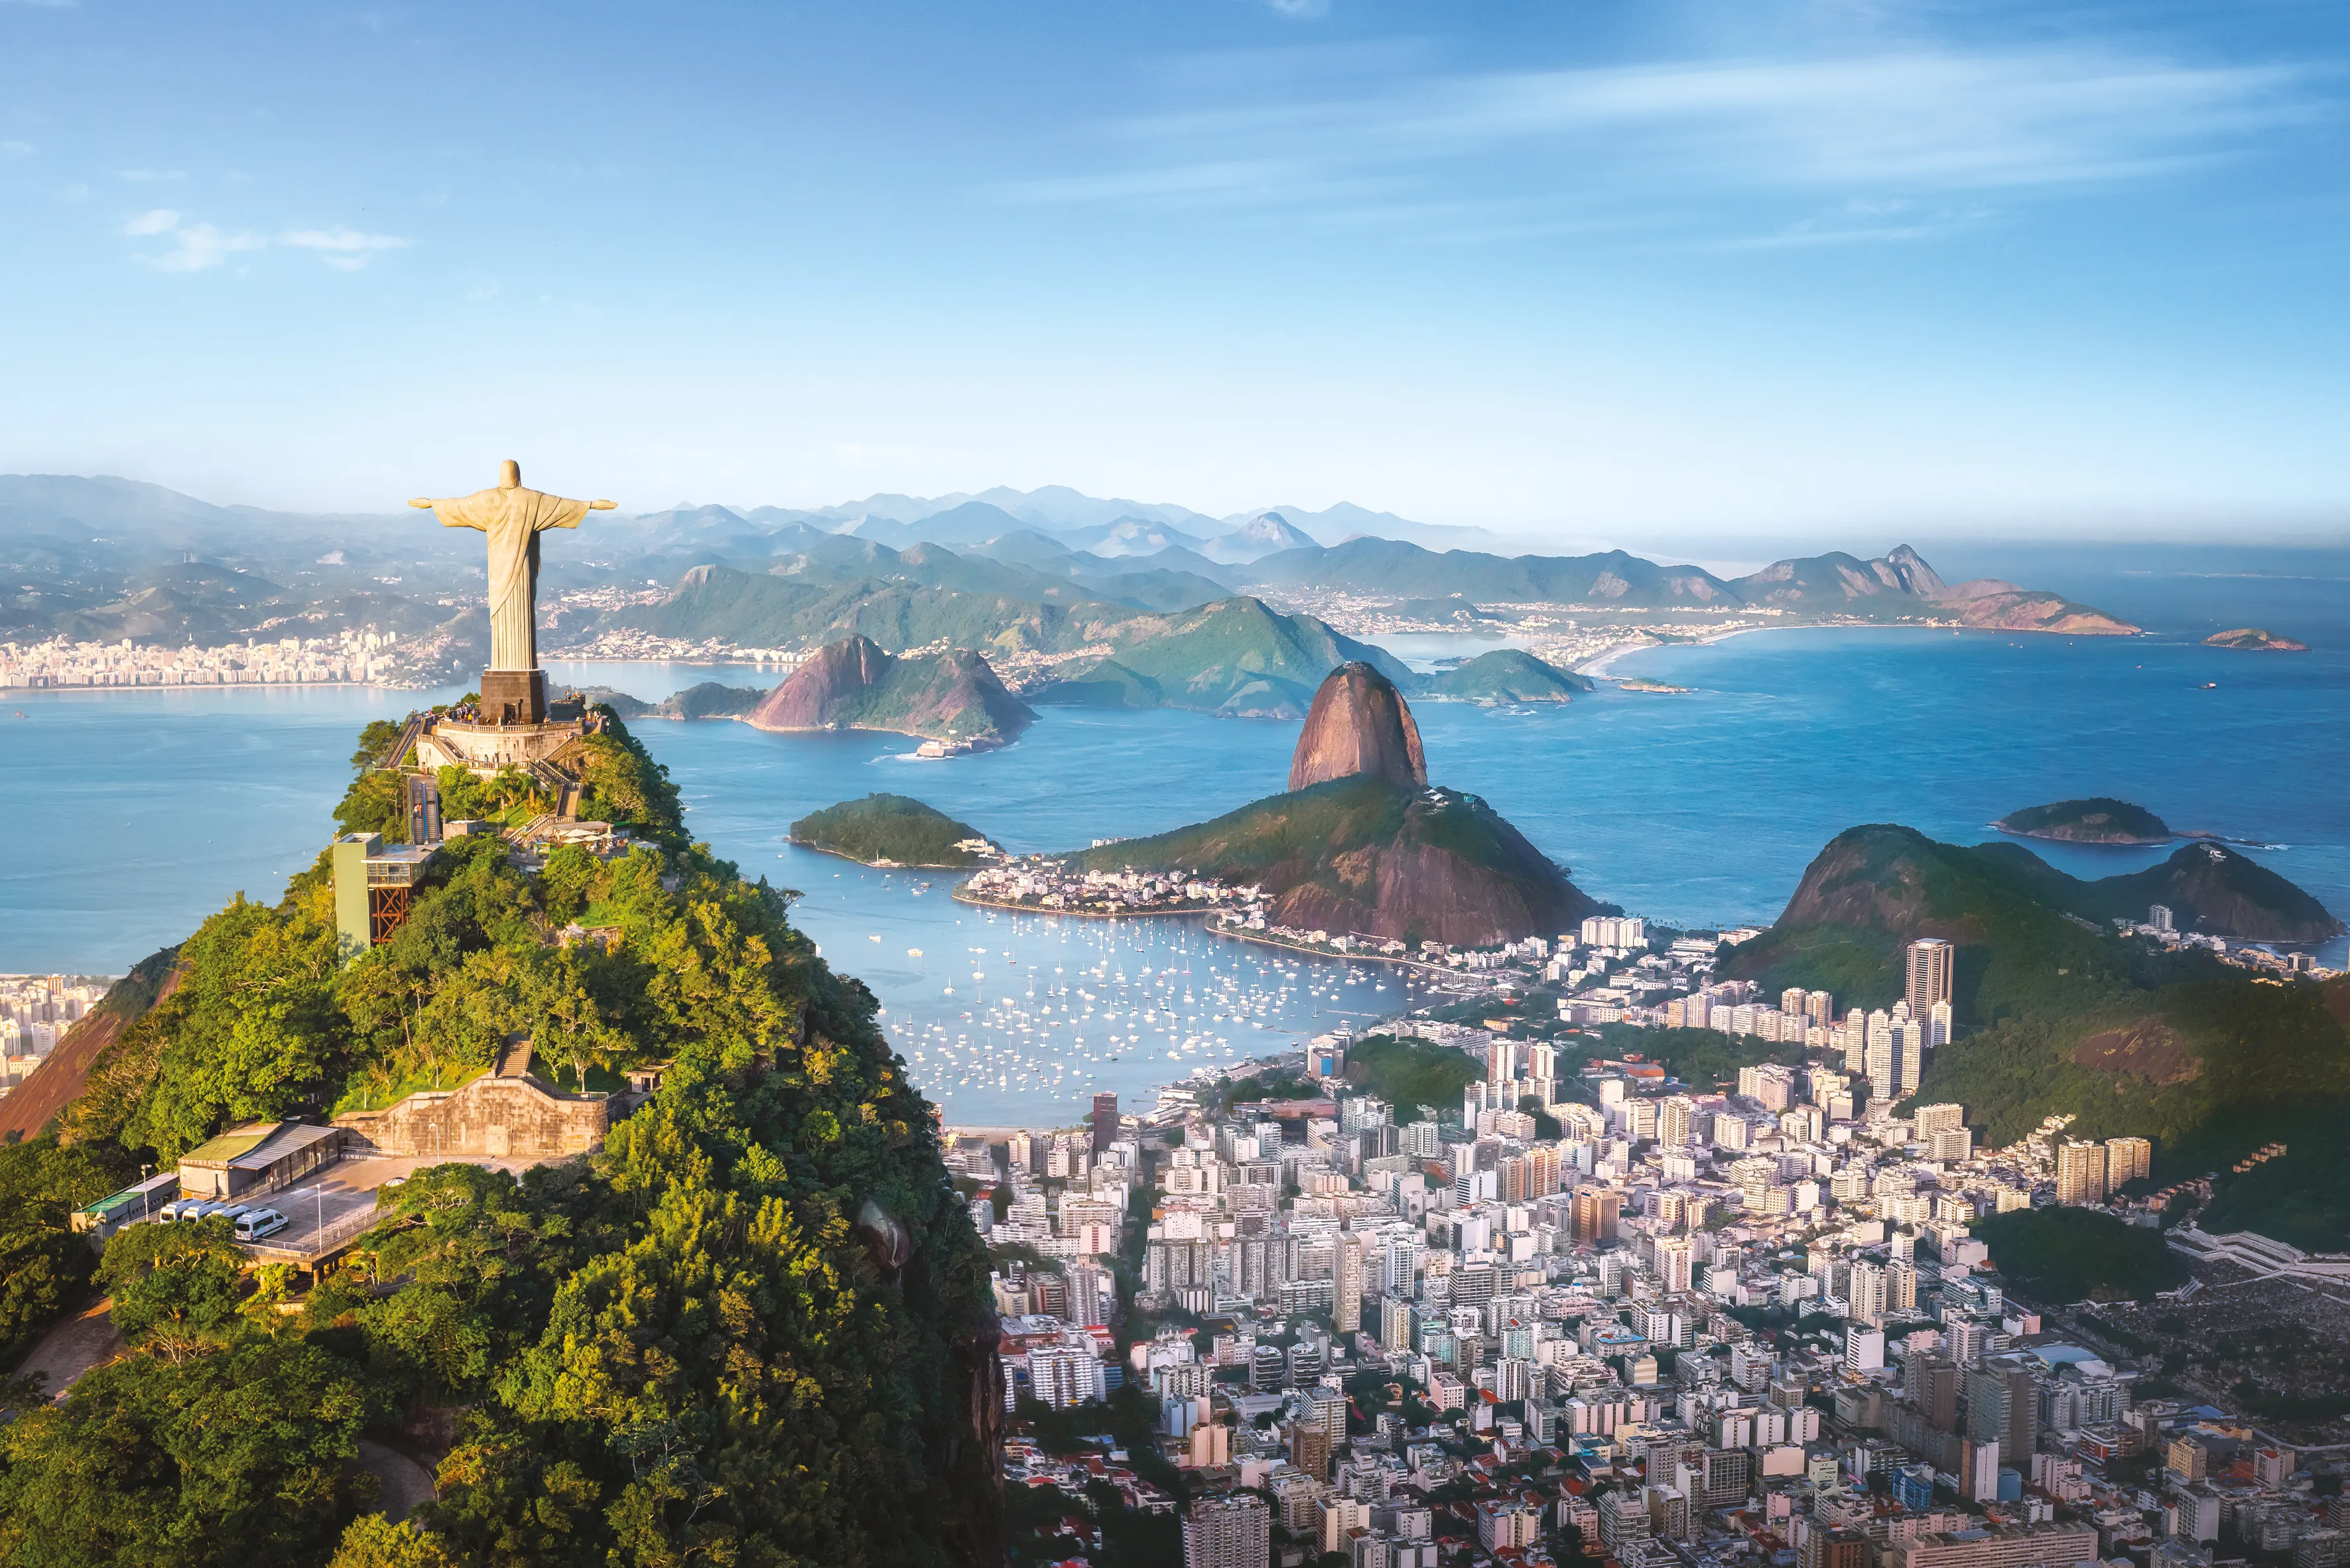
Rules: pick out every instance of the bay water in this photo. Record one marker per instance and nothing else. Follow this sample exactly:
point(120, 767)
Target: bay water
point(134, 815)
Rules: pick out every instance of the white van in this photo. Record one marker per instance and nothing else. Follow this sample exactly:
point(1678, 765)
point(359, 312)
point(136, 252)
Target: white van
point(255, 1223)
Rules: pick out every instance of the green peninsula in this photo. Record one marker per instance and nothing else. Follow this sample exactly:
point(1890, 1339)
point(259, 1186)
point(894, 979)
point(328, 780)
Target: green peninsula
point(893, 830)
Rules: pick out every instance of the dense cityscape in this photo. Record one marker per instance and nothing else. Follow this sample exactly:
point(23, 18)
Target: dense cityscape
point(357, 656)
point(1596, 1311)
point(35, 1011)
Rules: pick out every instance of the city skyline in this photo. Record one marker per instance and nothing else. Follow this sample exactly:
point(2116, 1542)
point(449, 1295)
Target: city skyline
point(1589, 278)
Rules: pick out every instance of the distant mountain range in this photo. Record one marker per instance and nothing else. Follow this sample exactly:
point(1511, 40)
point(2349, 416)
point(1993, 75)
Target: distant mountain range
point(100, 557)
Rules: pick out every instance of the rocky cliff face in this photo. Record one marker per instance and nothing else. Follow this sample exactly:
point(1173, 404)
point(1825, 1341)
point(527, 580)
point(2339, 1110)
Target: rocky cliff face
point(853, 684)
point(1359, 726)
point(826, 692)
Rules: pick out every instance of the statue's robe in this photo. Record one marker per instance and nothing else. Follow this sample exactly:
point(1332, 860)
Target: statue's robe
point(514, 519)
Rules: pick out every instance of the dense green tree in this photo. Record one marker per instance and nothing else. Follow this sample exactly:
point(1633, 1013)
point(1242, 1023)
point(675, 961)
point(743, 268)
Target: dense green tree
point(374, 1542)
point(44, 1266)
point(176, 1287)
point(252, 1029)
point(751, 1329)
point(221, 1460)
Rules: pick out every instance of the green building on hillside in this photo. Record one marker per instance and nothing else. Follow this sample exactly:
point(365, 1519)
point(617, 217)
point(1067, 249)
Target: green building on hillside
point(373, 880)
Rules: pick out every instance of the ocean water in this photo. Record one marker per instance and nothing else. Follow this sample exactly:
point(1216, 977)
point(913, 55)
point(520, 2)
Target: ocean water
point(135, 814)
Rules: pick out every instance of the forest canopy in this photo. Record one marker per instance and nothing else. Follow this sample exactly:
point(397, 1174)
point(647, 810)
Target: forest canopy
point(686, 1346)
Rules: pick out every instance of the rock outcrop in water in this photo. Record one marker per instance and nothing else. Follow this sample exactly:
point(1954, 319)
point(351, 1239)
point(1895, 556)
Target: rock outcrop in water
point(2100, 819)
point(1362, 844)
point(2255, 639)
point(1357, 727)
point(853, 684)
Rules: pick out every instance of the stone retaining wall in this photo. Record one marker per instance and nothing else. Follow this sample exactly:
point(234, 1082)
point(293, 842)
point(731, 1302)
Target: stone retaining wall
point(493, 1117)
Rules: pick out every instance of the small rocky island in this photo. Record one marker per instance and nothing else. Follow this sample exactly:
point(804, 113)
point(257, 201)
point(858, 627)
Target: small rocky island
point(708, 699)
point(2098, 820)
point(2254, 640)
point(952, 699)
point(894, 830)
point(1507, 675)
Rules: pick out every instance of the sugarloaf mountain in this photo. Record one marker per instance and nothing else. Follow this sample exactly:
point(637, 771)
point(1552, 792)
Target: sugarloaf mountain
point(1361, 843)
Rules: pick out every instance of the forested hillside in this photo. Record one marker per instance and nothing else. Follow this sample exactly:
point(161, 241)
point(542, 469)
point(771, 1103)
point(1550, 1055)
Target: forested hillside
point(753, 1328)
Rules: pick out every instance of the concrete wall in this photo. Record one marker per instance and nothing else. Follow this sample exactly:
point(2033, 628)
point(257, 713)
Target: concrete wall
point(498, 1118)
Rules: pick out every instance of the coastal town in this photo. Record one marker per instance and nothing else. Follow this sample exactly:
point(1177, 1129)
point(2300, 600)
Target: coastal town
point(1507, 1281)
point(35, 1011)
point(351, 656)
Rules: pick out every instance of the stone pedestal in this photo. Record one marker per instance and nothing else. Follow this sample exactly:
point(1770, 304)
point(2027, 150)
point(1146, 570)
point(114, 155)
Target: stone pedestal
point(514, 696)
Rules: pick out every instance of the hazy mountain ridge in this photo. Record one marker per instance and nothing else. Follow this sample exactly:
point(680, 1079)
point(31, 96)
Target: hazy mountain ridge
point(75, 545)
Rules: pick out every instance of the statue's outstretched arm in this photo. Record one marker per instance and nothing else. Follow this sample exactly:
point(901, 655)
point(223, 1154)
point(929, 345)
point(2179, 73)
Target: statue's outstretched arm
point(602, 505)
point(454, 517)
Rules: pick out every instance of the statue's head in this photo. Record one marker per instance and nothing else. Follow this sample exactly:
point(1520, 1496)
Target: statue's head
point(510, 475)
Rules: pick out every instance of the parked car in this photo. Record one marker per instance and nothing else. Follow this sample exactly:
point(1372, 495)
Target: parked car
point(255, 1223)
point(169, 1212)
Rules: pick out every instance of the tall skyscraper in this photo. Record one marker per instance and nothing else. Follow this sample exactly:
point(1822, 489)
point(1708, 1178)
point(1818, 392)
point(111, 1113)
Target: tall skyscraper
point(2080, 1172)
point(1233, 1531)
point(1868, 1292)
point(2127, 1160)
point(1346, 1306)
point(1930, 964)
point(1105, 1121)
point(1500, 1062)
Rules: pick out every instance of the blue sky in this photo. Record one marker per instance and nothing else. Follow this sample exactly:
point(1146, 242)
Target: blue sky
point(1588, 271)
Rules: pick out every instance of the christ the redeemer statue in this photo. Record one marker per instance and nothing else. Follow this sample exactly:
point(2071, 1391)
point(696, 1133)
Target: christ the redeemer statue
point(514, 518)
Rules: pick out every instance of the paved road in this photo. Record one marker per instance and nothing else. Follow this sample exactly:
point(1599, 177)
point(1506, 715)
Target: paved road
point(72, 1347)
point(402, 1483)
point(348, 1187)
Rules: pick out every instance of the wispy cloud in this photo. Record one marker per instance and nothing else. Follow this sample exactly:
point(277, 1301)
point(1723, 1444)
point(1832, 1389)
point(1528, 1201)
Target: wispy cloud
point(1299, 10)
point(1657, 138)
point(15, 149)
point(195, 247)
point(348, 250)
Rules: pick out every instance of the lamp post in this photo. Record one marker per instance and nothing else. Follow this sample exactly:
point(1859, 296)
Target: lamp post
point(146, 1194)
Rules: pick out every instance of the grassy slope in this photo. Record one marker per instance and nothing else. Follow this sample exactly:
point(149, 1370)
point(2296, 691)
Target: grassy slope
point(932, 694)
point(1412, 1076)
point(888, 827)
point(1329, 852)
point(2036, 994)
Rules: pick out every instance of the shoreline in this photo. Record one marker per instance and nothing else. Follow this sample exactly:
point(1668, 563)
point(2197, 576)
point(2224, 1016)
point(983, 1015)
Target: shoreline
point(959, 896)
point(872, 864)
point(1597, 664)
